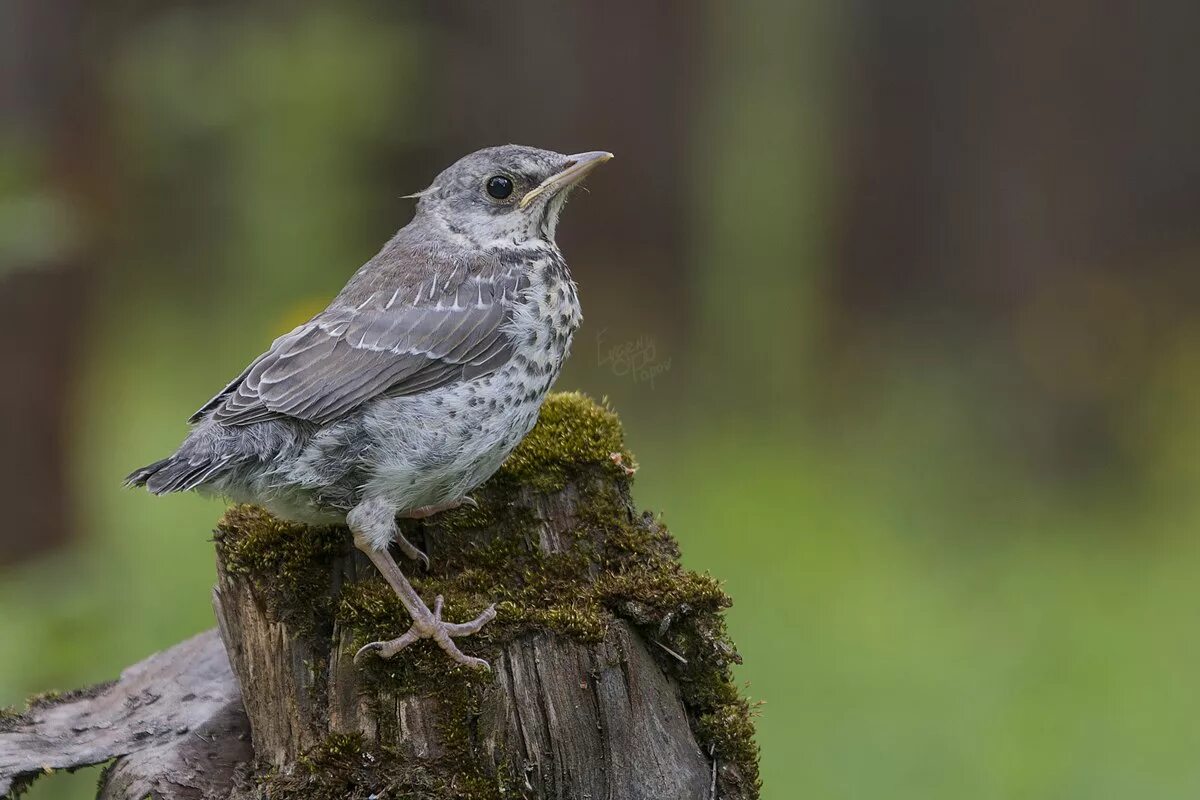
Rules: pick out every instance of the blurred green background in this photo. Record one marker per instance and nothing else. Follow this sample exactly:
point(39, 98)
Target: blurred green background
point(898, 302)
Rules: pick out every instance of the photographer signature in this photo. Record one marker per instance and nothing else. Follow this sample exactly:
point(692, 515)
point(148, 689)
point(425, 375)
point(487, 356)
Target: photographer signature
point(637, 358)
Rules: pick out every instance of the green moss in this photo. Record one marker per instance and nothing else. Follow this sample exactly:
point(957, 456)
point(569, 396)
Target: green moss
point(10, 716)
point(44, 699)
point(22, 782)
point(613, 564)
point(724, 721)
point(285, 561)
point(681, 611)
point(572, 431)
point(344, 767)
point(102, 779)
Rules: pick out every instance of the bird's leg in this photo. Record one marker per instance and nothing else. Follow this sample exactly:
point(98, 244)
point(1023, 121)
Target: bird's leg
point(426, 624)
point(373, 526)
point(421, 512)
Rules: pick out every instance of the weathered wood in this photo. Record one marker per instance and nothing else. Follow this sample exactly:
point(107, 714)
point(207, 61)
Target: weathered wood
point(157, 706)
point(559, 717)
point(594, 721)
point(209, 763)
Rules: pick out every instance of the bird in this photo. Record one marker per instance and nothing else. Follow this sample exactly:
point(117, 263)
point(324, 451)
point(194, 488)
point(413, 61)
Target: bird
point(415, 383)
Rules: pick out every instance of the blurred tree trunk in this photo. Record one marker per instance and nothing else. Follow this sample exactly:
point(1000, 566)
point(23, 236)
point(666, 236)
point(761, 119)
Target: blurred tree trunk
point(54, 143)
point(996, 144)
point(1025, 178)
point(763, 145)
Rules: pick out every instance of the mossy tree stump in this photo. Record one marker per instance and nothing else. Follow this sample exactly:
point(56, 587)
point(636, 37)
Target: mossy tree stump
point(610, 663)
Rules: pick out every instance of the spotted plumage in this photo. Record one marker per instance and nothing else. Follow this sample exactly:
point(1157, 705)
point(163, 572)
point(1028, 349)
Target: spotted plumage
point(417, 380)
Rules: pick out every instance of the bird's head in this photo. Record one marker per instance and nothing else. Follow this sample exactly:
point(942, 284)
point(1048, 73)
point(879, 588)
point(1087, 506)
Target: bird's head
point(506, 193)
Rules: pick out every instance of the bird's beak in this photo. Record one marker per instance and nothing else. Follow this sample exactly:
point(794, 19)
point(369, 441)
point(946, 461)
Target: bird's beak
point(578, 166)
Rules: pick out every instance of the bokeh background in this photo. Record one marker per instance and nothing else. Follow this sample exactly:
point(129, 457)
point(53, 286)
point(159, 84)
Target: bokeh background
point(898, 302)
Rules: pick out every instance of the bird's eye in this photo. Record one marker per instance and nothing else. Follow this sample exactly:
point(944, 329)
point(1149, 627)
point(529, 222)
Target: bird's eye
point(499, 186)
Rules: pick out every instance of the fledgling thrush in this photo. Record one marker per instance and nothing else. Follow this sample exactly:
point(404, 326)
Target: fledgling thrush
point(416, 382)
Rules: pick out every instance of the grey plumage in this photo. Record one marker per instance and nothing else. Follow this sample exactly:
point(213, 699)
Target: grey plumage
point(429, 331)
point(417, 380)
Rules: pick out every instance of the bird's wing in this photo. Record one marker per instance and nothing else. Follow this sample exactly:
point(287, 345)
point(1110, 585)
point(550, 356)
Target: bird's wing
point(425, 334)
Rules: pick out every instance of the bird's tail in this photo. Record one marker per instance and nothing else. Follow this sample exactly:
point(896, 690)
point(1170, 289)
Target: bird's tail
point(176, 474)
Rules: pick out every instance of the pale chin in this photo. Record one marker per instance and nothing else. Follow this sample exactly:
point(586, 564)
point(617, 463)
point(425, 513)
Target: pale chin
point(554, 210)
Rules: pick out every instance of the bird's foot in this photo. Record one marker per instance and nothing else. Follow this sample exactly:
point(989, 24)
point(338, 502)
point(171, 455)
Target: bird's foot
point(421, 512)
point(429, 625)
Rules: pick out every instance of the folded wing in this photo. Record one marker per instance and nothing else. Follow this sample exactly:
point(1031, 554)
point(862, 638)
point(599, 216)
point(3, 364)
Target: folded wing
point(428, 334)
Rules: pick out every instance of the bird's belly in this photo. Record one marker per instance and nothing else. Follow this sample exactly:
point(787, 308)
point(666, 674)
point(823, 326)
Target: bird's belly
point(435, 447)
point(295, 501)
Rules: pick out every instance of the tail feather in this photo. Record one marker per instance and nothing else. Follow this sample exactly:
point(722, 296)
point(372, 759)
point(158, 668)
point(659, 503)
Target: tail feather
point(139, 476)
point(175, 474)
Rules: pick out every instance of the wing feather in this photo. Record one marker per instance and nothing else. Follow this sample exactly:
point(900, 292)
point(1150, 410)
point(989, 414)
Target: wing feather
point(456, 329)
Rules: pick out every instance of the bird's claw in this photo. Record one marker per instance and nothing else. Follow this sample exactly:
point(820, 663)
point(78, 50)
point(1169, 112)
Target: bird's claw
point(422, 512)
point(411, 551)
point(431, 626)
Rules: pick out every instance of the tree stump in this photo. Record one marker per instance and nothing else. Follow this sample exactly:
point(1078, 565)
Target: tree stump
point(610, 663)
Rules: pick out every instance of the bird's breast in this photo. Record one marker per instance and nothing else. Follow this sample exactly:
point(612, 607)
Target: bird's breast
point(548, 314)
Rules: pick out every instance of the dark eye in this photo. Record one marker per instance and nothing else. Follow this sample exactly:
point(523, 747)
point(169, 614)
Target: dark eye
point(499, 186)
